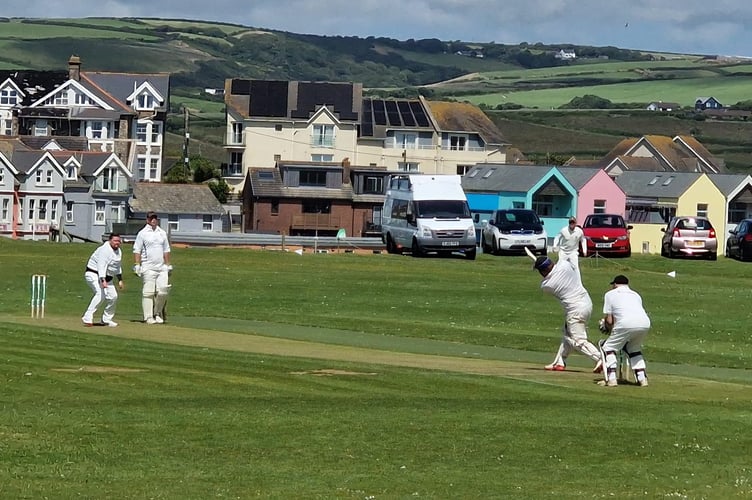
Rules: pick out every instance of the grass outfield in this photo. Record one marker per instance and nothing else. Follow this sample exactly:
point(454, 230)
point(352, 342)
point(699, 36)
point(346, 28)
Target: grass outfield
point(366, 376)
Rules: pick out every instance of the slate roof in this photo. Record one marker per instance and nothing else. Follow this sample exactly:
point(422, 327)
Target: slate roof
point(116, 87)
point(578, 176)
point(681, 153)
point(503, 177)
point(464, 117)
point(66, 142)
point(268, 183)
point(23, 161)
point(726, 183)
point(174, 199)
point(656, 184)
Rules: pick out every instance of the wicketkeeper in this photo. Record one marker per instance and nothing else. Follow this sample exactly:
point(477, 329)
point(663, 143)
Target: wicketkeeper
point(628, 323)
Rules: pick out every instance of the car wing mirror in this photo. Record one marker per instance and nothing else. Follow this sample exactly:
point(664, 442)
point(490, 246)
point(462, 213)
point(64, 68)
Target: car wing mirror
point(629, 228)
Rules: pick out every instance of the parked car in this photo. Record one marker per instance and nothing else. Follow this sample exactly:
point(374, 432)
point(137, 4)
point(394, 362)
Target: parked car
point(739, 244)
point(689, 236)
point(512, 230)
point(607, 234)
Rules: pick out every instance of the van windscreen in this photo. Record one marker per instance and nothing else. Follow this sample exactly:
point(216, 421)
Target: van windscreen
point(442, 209)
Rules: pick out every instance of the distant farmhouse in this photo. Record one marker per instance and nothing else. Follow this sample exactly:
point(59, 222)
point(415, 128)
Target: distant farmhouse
point(567, 55)
point(663, 106)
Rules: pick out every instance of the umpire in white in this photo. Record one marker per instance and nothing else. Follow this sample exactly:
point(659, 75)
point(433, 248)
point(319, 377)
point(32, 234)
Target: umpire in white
point(628, 323)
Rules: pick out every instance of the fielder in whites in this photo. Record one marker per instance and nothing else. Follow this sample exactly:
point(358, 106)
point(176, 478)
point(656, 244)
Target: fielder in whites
point(569, 241)
point(102, 269)
point(562, 280)
point(626, 319)
point(151, 255)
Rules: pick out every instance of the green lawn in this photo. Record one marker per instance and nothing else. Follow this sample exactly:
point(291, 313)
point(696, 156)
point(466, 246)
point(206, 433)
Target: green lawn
point(366, 376)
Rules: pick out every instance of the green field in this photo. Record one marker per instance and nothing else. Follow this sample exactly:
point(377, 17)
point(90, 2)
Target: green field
point(366, 376)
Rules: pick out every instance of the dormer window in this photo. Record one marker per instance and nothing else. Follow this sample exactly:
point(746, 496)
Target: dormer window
point(83, 100)
point(145, 101)
point(70, 173)
point(8, 97)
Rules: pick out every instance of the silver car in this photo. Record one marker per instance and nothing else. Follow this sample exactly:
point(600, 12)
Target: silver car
point(689, 236)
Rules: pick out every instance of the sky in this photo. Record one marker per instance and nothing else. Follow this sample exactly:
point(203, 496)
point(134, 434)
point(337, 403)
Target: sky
point(718, 27)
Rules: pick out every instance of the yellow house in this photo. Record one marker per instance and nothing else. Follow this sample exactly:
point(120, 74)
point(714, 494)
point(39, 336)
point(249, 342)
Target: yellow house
point(654, 197)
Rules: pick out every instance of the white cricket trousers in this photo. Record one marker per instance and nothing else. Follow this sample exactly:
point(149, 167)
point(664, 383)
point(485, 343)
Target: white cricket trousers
point(107, 295)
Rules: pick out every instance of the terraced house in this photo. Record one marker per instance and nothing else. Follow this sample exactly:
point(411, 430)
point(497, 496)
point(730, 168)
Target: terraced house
point(54, 114)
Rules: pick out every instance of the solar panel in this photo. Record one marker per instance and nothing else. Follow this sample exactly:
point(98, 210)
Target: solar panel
point(379, 113)
point(407, 116)
point(419, 113)
point(393, 114)
point(366, 124)
point(268, 98)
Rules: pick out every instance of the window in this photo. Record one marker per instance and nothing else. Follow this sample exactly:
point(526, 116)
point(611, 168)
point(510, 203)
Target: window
point(316, 207)
point(236, 164)
point(2, 176)
point(173, 223)
point(61, 99)
point(407, 166)
point(208, 223)
point(68, 211)
point(70, 172)
point(543, 205)
point(31, 206)
point(457, 142)
point(154, 168)
point(145, 101)
point(40, 127)
point(489, 173)
point(9, 96)
point(312, 178)
point(97, 129)
point(39, 177)
point(322, 158)
point(518, 204)
point(20, 210)
point(112, 180)
point(277, 158)
point(737, 212)
point(141, 132)
point(117, 212)
point(702, 209)
point(404, 140)
point(141, 168)
point(373, 185)
point(53, 212)
point(463, 169)
point(7, 127)
point(275, 207)
point(237, 133)
point(278, 128)
point(156, 133)
point(599, 206)
point(323, 136)
point(83, 100)
point(99, 213)
point(5, 211)
point(48, 176)
point(42, 213)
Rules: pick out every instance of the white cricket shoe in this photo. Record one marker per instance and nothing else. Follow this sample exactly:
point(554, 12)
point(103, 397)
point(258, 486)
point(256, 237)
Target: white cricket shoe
point(158, 320)
point(150, 321)
point(609, 383)
point(644, 382)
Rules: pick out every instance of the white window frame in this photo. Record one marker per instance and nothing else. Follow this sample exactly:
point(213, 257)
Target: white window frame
point(322, 158)
point(141, 131)
point(8, 96)
point(53, 211)
point(7, 127)
point(41, 127)
point(408, 166)
point(145, 101)
point(69, 211)
point(460, 142)
point(173, 222)
point(100, 213)
point(141, 168)
point(599, 206)
point(406, 140)
point(42, 210)
point(237, 133)
point(322, 136)
point(2, 176)
point(71, 172)
point(97, 130)
point(156, 133)
point(117, 212)
point(5, 210)
point(207, 223)
point(30, 210)
point(21, 214)
point(154, 168)
point(702, 210)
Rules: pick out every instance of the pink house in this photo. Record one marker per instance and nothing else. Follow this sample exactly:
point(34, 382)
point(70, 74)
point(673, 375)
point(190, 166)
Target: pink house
point(596, 191)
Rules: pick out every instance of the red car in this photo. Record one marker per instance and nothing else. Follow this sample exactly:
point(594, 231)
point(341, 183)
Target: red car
point(607, 234)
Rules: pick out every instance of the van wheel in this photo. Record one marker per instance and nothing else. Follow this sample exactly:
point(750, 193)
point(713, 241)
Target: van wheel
point(416, 250)
point(390, 246)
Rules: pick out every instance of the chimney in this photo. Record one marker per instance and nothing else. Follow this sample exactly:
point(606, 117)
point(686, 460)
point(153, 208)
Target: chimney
point(74, 68)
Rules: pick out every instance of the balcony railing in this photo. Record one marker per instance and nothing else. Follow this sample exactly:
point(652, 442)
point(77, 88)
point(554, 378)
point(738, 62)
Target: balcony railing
point(232, 170)
point(322, 142)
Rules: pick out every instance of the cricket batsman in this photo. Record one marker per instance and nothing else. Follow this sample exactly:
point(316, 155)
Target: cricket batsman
point(562, 280)
point(151, 254)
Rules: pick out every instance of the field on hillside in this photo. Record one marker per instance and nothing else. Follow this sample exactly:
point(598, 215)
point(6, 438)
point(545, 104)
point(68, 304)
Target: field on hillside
point(366, 376)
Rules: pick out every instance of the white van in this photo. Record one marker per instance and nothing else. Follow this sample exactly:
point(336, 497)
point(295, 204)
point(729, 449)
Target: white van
point(426, 213)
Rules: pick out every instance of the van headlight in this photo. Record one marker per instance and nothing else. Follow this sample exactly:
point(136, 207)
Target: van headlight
point(425, 232)
point(471, 232)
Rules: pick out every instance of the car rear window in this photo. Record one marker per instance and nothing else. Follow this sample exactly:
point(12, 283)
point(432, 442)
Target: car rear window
point(702, 224)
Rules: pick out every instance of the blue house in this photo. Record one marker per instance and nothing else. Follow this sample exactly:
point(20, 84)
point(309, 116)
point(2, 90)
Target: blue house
point(545, 189)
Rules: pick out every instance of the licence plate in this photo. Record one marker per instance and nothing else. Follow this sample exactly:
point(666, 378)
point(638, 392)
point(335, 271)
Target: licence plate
point(696, 244)
point(525, 242)
point(450, 243)
point(603, 245)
